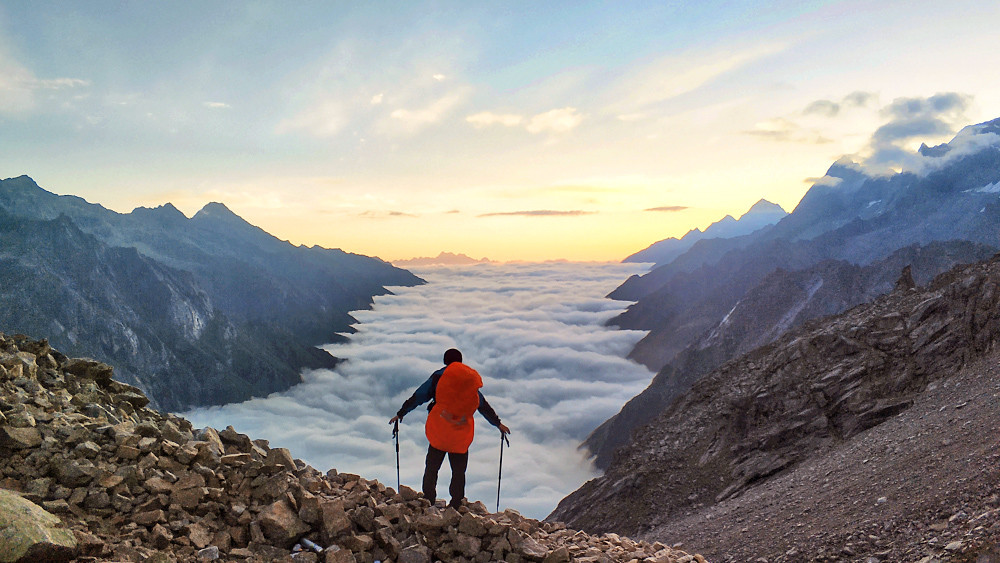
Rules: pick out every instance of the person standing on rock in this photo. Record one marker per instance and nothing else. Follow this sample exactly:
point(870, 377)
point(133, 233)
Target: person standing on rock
point(455, 397)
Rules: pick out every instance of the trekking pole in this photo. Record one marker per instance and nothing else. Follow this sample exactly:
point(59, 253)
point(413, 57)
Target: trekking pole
point(503, 438)
point(395, 435)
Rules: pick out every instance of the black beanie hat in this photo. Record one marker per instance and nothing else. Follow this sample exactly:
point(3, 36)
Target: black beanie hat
point(452, 355)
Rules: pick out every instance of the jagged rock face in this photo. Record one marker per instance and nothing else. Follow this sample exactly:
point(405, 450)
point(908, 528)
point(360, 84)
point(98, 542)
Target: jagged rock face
point(157, 324)
point(198, 311)
point(813, 388)
point(782, 300)
point(134, 484)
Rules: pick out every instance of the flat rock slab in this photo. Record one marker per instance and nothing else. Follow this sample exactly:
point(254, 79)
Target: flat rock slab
point(29, 533)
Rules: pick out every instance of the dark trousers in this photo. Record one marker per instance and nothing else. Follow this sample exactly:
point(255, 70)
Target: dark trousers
point(458, 464)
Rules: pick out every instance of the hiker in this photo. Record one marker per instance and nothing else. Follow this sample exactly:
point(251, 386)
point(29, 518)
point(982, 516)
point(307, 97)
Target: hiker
point(455, 397)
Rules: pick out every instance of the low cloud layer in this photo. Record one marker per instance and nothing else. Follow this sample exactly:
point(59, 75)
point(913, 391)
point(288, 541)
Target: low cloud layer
point(535, 332)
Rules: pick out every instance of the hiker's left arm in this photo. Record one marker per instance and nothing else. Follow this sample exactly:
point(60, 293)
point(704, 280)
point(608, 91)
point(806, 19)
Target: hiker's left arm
point(491, 415)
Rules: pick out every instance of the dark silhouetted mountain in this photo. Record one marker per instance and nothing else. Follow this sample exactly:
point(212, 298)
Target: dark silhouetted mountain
point(760, 215)
point(197, 311)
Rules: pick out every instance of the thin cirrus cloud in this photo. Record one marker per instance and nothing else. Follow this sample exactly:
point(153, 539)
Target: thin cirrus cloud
point(539, 213)
point(551, 370)
point(431, 112)
point(830, 108)
point(488, 118)
point(18, 86)
point(669, 208)
point(679, 74)
point(560, 120)
point(384, 214)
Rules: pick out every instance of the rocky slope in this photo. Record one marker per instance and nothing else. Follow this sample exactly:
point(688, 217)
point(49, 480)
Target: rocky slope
point(197, 311)
point(815, 398)
point(782, 300)
point(133, 484)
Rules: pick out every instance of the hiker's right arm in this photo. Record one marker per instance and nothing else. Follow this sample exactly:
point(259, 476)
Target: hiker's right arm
point(419, 397)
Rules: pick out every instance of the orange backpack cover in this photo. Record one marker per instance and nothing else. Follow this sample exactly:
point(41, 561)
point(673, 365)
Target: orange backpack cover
point(450, 426)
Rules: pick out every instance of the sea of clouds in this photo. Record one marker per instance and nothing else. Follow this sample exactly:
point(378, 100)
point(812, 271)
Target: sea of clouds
point(536, 334)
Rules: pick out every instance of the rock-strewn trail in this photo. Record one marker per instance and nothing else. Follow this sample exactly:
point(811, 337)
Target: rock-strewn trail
point(134, 484)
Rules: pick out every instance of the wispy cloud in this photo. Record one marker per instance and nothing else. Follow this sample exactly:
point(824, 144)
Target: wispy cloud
point(430, 113)
point(539, 213)
point(560, 120)
point(384, 214)
point(487, 118)
point(669, 208)
point(910, 119)
point(18, 85)
point(216, 105)
point(682, 73)
point(325, 119)
point(785, 130)
point(830, 108)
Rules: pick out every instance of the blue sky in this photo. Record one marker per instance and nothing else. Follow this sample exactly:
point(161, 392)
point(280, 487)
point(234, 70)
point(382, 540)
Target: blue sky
point(516, 130)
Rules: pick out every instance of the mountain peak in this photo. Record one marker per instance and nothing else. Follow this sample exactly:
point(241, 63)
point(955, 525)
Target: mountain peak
point(764, 207)
point(165, 211)
point(215, 210)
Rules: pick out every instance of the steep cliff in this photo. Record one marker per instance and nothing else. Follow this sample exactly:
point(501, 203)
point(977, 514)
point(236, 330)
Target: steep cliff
point(197, 311)
point(810, 395)
point(781, 301)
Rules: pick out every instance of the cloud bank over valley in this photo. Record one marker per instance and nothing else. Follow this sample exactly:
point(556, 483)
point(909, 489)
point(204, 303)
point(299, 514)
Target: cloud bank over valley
point(535, 332)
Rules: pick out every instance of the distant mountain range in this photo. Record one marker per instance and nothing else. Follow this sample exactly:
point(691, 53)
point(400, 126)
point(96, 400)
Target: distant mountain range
point(760, 215)
point(443, 259)
point(835, 250)
point(199, 311)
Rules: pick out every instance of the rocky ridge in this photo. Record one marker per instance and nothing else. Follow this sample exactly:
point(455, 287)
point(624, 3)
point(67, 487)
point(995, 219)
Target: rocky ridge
point(812, 393)
point(135, 484)
point(783, 300)
point(202, 311)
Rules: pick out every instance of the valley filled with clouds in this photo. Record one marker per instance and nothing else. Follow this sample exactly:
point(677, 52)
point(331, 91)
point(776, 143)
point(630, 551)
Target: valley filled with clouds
point(535, 333)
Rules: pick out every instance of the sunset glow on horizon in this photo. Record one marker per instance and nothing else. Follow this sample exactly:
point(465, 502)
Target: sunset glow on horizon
point(514, 131)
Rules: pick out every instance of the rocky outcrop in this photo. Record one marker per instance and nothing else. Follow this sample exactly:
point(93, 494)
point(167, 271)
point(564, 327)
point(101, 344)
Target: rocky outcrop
point(29, 533)
point(815, 388)
point(135, 484)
